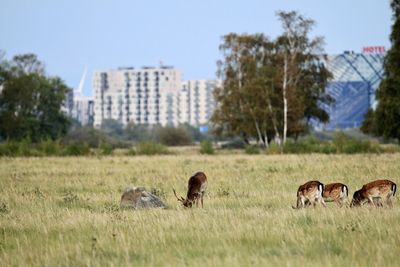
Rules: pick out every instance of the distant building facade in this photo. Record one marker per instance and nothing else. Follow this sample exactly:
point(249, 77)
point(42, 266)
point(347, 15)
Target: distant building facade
point(141, 96)
point(356, 77)
point(83, 110)
point(196, 102)
point(68, 104)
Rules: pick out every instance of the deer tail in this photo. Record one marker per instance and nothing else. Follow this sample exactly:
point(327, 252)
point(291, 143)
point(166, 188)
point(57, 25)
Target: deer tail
point(345, 190)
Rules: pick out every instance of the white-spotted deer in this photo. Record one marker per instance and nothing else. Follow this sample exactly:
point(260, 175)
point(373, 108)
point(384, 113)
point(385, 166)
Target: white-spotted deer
point(197, 186)
point(336, 192)
point(310, 192)
point(374, 192)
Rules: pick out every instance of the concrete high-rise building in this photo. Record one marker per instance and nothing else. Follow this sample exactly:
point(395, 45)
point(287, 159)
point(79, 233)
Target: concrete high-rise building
point(83, 110)
point(196, 102)
point(141, 96)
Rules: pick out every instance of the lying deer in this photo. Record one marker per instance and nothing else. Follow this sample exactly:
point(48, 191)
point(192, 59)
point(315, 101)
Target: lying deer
point(374, 192)
point(310, 192)
point(196, 188)
point(335, 192)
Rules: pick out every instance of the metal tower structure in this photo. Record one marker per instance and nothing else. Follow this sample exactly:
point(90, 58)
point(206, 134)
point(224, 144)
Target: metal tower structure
point(356, 77)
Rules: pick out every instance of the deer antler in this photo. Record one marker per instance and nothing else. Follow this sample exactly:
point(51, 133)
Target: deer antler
point(181, 199)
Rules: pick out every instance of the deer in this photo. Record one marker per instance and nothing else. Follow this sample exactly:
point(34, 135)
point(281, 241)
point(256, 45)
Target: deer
point(336, 192)
point(374, 192)
point(310, 192)
point(197, 186)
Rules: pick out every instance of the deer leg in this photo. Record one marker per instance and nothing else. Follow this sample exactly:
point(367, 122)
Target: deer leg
point(371, 202)
point(312, 202)
point(339, 203)
point(378, 202)
point(202, 200)
point(389, 201)
point(321, 200)
point(303, 202)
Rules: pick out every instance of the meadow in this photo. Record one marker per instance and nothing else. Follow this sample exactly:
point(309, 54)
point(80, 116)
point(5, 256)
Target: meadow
point(64, 211)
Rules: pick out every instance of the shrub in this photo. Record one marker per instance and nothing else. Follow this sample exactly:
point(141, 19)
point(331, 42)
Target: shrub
point(251, 150)
point(106, 149)
point(151, 148)
point(171, 136)
point(236, 143)
point(76, 149)
point(93, 137)
point(49, 147)
point(206, 147)
point(274, 149)
point(131, 152)
point(345, 144)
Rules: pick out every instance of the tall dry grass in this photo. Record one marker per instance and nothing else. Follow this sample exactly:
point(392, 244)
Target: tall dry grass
point(65, 212)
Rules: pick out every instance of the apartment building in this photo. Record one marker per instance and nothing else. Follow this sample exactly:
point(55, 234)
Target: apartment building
point(142, 96)
point(196, 102)
point(83, 110)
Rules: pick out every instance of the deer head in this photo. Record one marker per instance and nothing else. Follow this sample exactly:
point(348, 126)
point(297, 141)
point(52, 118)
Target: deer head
point(186, 202)
point(357, 199)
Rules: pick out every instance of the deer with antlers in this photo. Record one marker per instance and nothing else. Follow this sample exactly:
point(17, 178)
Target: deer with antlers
point(374, 192)
point(310, 192)
point(197, 185)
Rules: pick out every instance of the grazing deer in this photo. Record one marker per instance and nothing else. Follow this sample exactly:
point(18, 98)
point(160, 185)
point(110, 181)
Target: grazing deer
point(374, 192)
point(196, 188)
point(335, 192)
point(310, 192)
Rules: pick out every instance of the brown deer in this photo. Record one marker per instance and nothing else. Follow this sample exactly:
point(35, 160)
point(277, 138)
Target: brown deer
point(335, 192)
point(196, 188)
point(374, 192)
point(310, 192)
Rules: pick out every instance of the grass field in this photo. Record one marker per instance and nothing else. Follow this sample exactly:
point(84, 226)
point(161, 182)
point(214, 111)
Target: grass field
point(65, 212)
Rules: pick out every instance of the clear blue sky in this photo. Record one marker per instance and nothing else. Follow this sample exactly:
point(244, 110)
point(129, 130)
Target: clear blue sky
point(71, 34)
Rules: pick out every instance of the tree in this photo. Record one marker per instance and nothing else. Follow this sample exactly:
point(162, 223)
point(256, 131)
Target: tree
point(112, 127)
point(304, 78)
point(271, 89)
point(385, 120)
point(30, 103)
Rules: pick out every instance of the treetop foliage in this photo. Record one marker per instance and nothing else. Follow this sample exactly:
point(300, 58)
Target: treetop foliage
point(30, 102)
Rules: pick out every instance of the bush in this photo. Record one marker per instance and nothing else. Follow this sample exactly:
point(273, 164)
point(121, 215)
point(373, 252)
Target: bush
point(151, 148)
point(206, 147)
point(251, 150)
point(106, 149)
point(345, 144)
point(93, 137)
point(50, 147)
point(76, 149)
point(236, 143)
point(274, 149)
point(171, 136)
point(131, 152)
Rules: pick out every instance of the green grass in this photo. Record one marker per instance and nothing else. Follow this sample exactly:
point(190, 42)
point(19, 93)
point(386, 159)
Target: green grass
point(65, 212)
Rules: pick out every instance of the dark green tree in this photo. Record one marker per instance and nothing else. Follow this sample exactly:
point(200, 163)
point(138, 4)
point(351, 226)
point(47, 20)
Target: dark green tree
point(385, 120)
point(31, 103)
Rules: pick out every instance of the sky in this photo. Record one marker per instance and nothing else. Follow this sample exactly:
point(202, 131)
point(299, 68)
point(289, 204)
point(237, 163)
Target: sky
point(71, 35)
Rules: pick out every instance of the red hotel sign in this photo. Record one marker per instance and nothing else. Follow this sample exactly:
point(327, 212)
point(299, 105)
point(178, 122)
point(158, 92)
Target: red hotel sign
point(374, 49)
